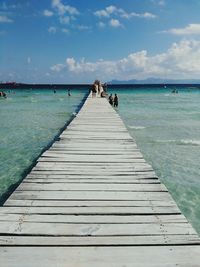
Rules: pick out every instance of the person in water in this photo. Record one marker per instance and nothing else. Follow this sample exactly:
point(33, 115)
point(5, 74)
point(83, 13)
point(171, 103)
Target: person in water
point(3, 94)
point(175, 91)
point(115, 101)
point(110, 99)
point(69, 93)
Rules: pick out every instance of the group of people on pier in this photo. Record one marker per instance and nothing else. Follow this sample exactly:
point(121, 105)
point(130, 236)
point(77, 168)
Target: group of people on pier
point(113, 100)
point(100, 90)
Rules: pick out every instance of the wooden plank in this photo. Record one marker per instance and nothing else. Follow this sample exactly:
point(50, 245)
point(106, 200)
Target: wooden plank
point(91, 203)
point(99, 240)
point(116, 141)
point(89, 219)
point(118, 166)
point(99, 144)
point(134, 175)
point(118, 181)
point(93, 187)
point(96, 134)
point(91, 210)
point(103, 164)
point(58, 168)
point(91, 195)
point(165, 256)
point(146, 178)
point(72, 229)
point(60, 154)
point(77, 147)
point(146, 175)
point(83, 158)
point(76, 172)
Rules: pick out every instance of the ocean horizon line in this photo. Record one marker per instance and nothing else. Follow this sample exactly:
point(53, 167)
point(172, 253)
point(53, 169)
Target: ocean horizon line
point(14, 85)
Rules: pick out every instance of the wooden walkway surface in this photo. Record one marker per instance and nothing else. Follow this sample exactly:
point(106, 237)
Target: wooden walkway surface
point(93, 201)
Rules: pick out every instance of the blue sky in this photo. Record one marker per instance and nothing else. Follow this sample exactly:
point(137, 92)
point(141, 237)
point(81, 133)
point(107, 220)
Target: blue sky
point(77, 41)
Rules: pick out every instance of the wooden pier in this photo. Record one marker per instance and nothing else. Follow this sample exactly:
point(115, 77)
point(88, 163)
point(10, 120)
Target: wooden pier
point(93, 201)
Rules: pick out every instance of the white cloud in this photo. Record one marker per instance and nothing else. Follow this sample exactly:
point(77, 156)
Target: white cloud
point(52, 29)
point(145, 15)
point(47, 13)
point(62, 9)
point(101, 13)
point(191, 29)
point(159, 2)
point(63, 13)
point(83, 27)
point(113, 10)
point(181, 60)
point(71, 63)
point(57, 67)
point(115, 23)
point(101, 24)
point(64, 20)
point(5, 19)
point(105, 12)
point(65, 30)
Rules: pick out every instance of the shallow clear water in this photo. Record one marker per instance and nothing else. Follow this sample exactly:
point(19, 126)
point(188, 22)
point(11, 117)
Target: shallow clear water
point(166, 128)
point(29, 121)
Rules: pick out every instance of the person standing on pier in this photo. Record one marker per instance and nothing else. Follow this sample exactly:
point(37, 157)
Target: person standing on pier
point(110, 99)
point(115, 101)
point(105, 87)
point(94, 90)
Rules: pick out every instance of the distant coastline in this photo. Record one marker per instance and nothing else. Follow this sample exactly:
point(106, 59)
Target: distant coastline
point(154, 81)
point(15, 86)
point(24, 86)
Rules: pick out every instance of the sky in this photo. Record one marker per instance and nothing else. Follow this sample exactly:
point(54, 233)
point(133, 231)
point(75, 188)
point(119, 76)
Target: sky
point(78, 41)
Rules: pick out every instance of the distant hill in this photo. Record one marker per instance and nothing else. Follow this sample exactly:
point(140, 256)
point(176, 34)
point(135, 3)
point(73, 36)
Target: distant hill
point(156, 81)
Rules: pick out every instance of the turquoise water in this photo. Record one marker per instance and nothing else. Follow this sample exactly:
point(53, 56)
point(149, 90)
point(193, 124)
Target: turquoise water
point(166, 128)
point(29, 121)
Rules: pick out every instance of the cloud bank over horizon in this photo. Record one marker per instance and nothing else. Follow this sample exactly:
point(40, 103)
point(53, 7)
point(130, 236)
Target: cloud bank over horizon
point(181, 60)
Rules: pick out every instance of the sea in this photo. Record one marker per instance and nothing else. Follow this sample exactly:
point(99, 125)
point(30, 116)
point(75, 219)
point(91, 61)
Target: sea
point(30, 120)
point(165, 125)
